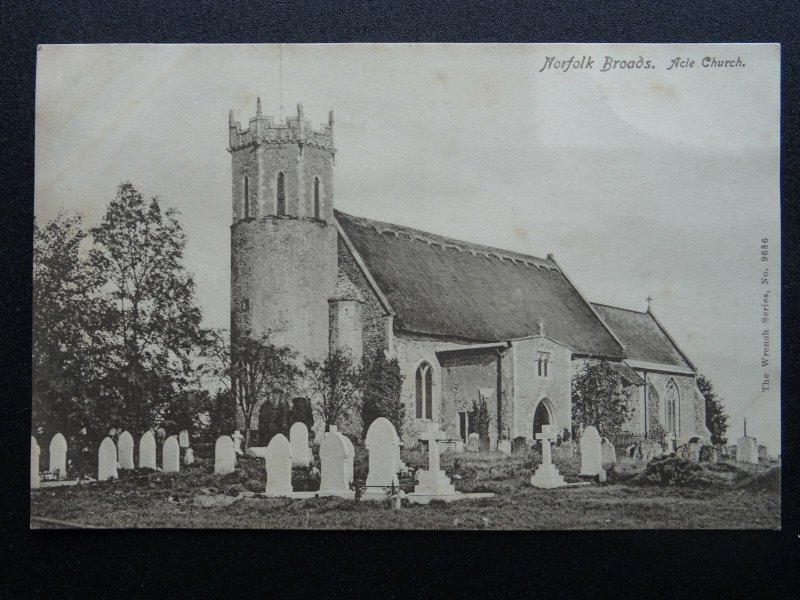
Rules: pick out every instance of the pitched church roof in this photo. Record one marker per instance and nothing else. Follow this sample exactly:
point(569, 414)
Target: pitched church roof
point(644, 337)
point(444, 287)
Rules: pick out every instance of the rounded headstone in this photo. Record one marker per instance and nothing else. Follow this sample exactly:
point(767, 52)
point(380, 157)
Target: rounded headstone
point(171, 457)
point(107, 460)
point(147, 451)
point(125, 450)
point(224, 456)
point(278, 459)
point(298, 437)
point(58, 455)
point(381, 442)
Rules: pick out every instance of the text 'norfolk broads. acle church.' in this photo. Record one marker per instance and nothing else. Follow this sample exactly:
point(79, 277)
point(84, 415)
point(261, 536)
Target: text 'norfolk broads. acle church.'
point(464, 321)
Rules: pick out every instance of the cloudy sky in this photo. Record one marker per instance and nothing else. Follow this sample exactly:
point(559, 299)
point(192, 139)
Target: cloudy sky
point(641, 182)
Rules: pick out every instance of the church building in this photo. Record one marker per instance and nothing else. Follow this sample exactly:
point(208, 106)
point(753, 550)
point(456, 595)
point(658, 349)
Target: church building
point(465, 321)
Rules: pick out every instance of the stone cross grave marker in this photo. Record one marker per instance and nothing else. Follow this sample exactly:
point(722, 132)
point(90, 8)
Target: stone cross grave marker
point(278, 459)
point(147, 450)
point(298, 437)
point(35, 451)
point(335, 479)
point(125, 450)
point(473, 442)
point(183, 439)
point(107, 460)
point(607, 452)
point(224, 456)
point(58, 456)
point(381, 442)
point(237, 442)
point(434, 482)
point(547, 475)
point(171, 457)
point(590, 452)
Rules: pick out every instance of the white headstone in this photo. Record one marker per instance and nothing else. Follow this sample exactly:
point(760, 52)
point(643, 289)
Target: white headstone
point(107, 460)
point(298, 436)
point(349, 457)
point(669, 443)
point(147, 450)
point(188, 456)
point(333, 455)
point(694, 451)
point(381, 442)
point(58, 456)
point(171, 456)
point(590, 452)
point(224, 456)
point(433, 482)
point(125, 450)
point(547, 475)
point(747, 450)
point(35, 451)
point(607, 452)
point(237, 442)
point(473, 442)
point(279, 466)
point(183, 439)
point(504, 446)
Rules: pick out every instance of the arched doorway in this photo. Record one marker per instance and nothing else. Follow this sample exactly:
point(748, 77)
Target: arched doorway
point(543, 415)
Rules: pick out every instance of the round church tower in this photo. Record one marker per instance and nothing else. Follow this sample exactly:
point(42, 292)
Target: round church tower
point(283, 241)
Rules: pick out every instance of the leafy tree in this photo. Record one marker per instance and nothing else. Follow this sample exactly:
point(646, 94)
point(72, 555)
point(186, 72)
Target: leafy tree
point(479, 420)
point(221, 414)
point(254, 371)
point(151, 319)
point(716, 417)
point(600, 399)
point(68, 351)
point(382, 385)
point(334, 386)
point(302, 412)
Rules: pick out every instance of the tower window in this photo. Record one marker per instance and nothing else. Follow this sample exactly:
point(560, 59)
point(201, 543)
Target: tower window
point(281, 209)
point(542, 362)
point(246, 197)
point(424, 392)
point(316, 197)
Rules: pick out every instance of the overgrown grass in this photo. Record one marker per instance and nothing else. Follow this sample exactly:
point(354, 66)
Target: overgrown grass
point(723, 495)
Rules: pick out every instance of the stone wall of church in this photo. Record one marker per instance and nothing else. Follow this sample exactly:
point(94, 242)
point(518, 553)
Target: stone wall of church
point(373, 318)
point(691, 406)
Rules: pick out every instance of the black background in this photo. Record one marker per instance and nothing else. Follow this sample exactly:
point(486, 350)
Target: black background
point(175, 563)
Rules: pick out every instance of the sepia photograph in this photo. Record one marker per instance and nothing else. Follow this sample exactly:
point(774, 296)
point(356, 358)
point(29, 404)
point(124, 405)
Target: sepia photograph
point(407, 286)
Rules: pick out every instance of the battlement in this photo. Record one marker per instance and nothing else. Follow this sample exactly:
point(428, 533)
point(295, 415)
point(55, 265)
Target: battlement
point(266, 130)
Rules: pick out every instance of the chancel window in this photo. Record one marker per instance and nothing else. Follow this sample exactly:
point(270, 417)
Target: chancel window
point(671, 407)
point(424, 392)
point(316, 197)
point(281, 208)
point(542, 364)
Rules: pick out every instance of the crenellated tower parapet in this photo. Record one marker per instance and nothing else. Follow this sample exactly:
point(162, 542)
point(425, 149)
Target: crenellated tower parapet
point(267, 130)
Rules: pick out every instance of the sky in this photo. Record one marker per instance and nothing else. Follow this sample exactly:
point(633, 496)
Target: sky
point(641, 182)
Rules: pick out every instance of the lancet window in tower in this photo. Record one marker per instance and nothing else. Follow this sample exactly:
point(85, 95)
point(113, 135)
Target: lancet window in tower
point(246, 197)
point(316, 197)
point(281, 209)
point(424, 392)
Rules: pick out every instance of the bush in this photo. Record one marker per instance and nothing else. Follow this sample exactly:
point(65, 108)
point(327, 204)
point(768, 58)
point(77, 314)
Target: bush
point(382, 383)
point(305, 479)
point(670, 470)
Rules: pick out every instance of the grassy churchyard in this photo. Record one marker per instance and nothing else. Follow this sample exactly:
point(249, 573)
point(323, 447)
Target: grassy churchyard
point(666, 493)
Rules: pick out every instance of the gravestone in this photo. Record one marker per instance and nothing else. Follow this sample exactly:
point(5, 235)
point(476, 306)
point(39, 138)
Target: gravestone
point(709, 454)
point(107, 460)
point(125, 449)
point(693, 451)
point(747, 450)
point(669, 443)
point(591, 463)
point(762, 452)
point(607, 452)
point(568, 449)
point(36, 481)
point(473, 442)
point(224, 456)
point(183, 439)
point(434, 482)
point(278, 461)
point(519, 445)
point(333, 454)
point(188, 456)
point(381, 442)
point(298, 437)
point(504, 446)
point(171, 456)
point(58, 456)
point(547, 475)
point(237, 442)
point(147, 451)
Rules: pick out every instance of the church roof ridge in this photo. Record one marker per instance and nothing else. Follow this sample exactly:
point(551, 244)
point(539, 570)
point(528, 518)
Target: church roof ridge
point(633, 310)
point(444, 243)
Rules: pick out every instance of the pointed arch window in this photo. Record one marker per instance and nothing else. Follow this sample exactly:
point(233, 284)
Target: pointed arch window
point(671, 405)
point(246, 197)
point(424, 392)
point(281, 208)
point(316, 197)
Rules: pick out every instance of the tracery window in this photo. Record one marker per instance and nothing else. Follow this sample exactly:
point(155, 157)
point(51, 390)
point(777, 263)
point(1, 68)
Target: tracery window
point(424, 392)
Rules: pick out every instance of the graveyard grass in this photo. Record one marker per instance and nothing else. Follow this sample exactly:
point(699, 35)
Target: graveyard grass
point(724, 495)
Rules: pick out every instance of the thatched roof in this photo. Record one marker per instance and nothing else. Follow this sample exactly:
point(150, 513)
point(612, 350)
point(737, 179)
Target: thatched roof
point(444, 287)
point(644, 337)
